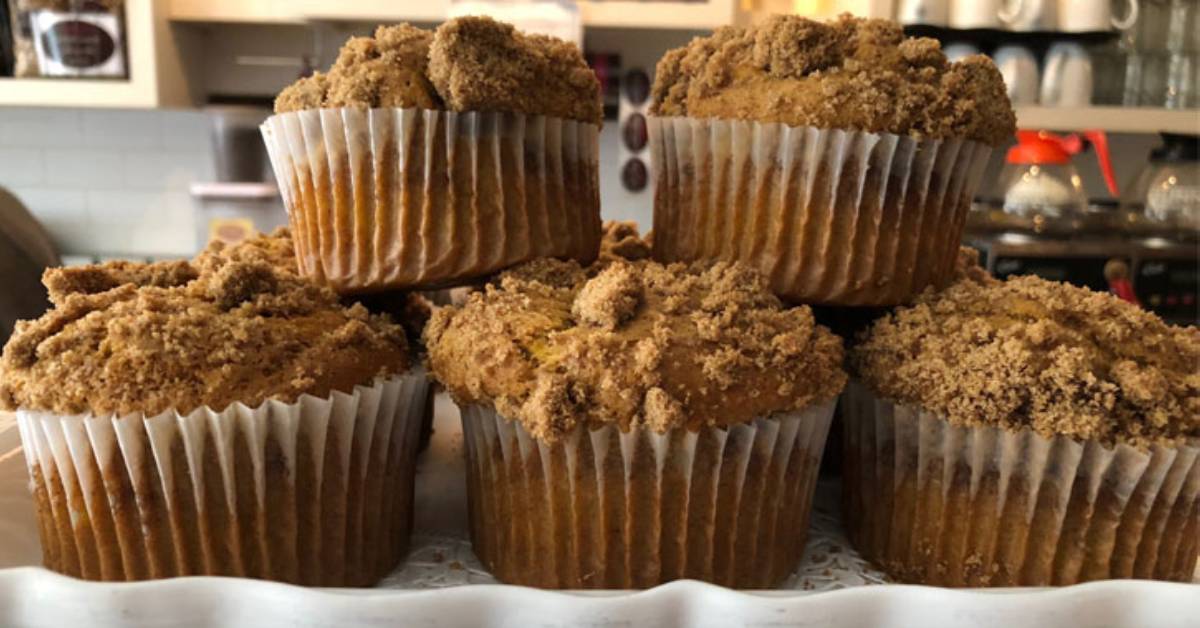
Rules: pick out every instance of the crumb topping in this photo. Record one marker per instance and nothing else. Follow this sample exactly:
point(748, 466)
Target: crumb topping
point(387, 70)
point(275, 249)
point(306, 93)
point(967, 268)
point(638, 343)
point(610, 298)
point(479, 64)
point(467, 64)
point(1033, 353)
point(94, 279)
point(849, 73)
point(619, 240)
point(410, 309)
point(235, 326)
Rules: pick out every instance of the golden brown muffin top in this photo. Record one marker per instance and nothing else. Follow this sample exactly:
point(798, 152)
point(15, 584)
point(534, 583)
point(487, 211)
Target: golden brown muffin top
point(849, 73)
point(234, 328)
point(276, 249)
point(638, 344)
point(967, 268)
point(1028, 352)
point(387, 70)
point(619, 240)
point(467, 64)
point(479, 64)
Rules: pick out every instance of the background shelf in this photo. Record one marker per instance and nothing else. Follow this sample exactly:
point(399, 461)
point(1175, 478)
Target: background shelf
point(704, 14)
point(156, 76)
point(1112, 119)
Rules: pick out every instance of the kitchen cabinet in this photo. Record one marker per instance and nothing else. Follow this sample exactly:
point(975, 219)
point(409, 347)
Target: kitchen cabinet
point(156, 76)
point(1111, 119)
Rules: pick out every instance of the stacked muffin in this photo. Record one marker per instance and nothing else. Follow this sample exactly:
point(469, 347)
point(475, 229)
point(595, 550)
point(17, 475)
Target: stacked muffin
point(218, 417)
point(839, 158)
point(429, 159)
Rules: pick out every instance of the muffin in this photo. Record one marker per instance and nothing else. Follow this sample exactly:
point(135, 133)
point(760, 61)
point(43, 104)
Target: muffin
point(1024, 433)
point(839, 158)
point(221, 417)
point(644, 424)
point(427, 159)
point(412, 310)
point(409, 309)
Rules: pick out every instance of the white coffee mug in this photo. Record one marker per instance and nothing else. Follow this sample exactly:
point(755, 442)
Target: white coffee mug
point(1085, 16)
point(958, 51)
point(1067, 78)
point(931, 12)
point(1029, 15)
point(981, 13)
point(1019, 68)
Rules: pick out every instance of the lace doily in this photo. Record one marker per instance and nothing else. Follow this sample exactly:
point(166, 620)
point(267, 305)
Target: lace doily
point(441, 554)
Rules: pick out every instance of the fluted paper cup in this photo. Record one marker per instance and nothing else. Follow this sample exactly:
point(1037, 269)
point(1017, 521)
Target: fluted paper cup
point(604, 509)
point(935, 503)
point(828, 216)
point(383, 199)
point(316, 492)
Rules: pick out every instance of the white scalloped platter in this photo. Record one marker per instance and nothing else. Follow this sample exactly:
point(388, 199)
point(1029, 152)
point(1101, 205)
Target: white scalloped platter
point(442, 584)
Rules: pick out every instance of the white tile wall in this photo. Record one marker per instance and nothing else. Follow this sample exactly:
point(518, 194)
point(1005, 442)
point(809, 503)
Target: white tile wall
point(108, 183)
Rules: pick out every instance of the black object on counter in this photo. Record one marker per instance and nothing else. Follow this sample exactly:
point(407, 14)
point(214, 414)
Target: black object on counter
point(1164, 275)
point(634, 132)
point(991, 37)
point(26, 251)
point(634, 175)
point(6, 40)
point(637, 86)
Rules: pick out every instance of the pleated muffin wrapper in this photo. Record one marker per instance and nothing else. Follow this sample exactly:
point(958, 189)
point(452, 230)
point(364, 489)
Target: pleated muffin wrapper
point(602, 508)
point(829, 216)
point(935, 503)
point(316, 492)
point(389, 198)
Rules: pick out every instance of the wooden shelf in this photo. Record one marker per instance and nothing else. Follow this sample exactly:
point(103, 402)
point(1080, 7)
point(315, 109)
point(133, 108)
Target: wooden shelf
point(619, 14)
point(235, 11)
point(156, 77)
point(1112, 119)
point(674, 15)
point(372, 10)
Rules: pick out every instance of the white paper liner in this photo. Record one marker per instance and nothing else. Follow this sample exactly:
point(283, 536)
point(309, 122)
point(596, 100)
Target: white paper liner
point(319, 491)
point(829, 216)
point(412, 198)
point(936, 503)
point(605, 509)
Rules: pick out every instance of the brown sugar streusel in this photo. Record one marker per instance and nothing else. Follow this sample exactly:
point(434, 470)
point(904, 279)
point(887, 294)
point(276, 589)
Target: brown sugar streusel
point(850, 73)
point(467, 64)
point(1027, 352)
point(639, 343)
point(235, 326)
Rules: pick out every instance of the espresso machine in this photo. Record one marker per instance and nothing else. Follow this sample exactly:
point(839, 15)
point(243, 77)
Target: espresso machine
point(1144, 249)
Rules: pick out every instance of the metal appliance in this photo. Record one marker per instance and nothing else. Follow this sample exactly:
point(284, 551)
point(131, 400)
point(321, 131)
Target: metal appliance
point(1161, 275)
point(244, 199)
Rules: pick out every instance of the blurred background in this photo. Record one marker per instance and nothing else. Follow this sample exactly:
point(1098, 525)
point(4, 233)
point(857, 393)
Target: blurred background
point(128, 128)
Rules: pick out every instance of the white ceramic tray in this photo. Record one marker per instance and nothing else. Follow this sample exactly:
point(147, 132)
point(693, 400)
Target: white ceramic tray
point(441, 584)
